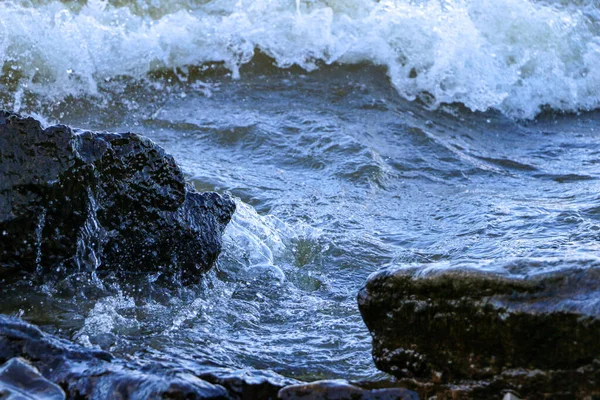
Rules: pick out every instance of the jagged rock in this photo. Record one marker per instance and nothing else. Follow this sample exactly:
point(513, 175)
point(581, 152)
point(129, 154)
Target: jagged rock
point(532, 326)
point(78, 200)
point(342, 390)
point(93, 374)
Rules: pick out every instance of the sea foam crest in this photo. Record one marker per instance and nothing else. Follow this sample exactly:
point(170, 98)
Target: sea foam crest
point(517, 56)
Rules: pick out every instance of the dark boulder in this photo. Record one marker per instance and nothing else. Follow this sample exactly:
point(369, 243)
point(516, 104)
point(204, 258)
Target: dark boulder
point(38, 365)
point(78, 200)
point(532, 326)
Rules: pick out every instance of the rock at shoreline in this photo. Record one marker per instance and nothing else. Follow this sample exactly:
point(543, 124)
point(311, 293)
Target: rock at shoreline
point(84, 373)
point(35, 365)
point(532, 326)
point(78, 200)
point(19, 380)
point(342, 390)
point(247, 384)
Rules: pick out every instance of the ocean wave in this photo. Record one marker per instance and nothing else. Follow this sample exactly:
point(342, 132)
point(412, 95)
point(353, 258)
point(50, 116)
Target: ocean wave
point(517, 56)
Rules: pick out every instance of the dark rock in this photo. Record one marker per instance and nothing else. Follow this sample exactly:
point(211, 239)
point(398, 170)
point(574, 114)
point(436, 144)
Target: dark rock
point(77, 200)
point(527, 325)
point(19, 380)
point(248, 384)
point(342, 390)
point(91, 374)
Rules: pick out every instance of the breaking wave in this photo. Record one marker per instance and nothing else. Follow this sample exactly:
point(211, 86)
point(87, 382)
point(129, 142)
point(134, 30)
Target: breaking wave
point(518, 56)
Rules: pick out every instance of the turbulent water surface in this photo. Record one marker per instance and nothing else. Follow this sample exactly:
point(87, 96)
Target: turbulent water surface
point(354, 134)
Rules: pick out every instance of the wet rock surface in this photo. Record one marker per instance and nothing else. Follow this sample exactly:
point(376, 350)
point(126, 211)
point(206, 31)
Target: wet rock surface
point(35, 365)
point(84, 373)
point(532, 326)
point(78, 200)
point(341, 390)
point(19, 380)
point(248, 384)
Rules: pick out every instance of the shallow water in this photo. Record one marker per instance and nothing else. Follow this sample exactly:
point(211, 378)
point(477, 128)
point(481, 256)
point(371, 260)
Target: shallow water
point(336, 174)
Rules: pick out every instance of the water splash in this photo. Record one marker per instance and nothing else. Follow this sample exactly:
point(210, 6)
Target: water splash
point(39, 230)
point(516, 56)
point(90, 239)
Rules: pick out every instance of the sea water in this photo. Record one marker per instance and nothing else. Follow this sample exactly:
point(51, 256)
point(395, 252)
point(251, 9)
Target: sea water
point(353, 134)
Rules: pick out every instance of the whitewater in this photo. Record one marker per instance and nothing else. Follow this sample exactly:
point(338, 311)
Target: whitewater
point(521, 57)
point(355, 136)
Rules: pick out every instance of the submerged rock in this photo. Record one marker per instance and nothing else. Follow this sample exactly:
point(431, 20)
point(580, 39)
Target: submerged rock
point(532, 326)
point(78, 200)
point(84, 373)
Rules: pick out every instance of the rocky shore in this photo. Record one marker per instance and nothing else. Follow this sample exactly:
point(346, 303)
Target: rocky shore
point(75, 201)
point(36, 366)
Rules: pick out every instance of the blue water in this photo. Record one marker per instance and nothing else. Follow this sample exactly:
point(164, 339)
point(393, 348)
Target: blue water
point(338, 170)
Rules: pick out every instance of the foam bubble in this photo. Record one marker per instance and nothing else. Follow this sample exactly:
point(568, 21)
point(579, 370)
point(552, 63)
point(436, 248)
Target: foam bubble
point(517, 56)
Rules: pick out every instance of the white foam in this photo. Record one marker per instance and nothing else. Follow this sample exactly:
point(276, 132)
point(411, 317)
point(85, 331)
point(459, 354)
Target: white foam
point(512, 55)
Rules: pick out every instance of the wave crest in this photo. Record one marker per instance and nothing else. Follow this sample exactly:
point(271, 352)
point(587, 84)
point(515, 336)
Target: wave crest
point(513, 55)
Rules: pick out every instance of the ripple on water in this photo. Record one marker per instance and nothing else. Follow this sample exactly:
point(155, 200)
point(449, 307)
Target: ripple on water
point(328, 191)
